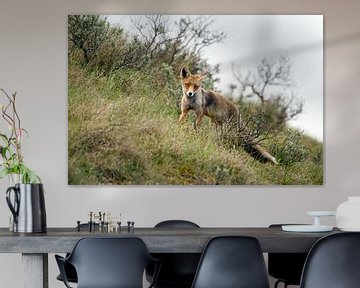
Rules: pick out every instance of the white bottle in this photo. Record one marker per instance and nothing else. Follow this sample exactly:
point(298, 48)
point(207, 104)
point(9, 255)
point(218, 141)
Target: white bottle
point(348, 215)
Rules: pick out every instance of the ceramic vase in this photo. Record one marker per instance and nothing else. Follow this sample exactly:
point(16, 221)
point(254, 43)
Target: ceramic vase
point(348, 214)
point(27, 204)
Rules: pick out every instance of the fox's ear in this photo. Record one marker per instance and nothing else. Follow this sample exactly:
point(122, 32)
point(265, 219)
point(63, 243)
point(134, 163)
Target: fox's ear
point(184, 73)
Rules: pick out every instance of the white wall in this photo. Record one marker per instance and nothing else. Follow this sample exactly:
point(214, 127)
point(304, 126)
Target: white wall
point(33, 62)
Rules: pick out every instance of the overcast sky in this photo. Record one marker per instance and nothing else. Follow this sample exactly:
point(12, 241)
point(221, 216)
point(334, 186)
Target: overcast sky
point(250, 37)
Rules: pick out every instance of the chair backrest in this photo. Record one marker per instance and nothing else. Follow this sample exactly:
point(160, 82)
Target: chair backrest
point(333, 262)
point(110, 262)
point(178, 269)
point(232, 262)
point(286, 267)
point(176, 224)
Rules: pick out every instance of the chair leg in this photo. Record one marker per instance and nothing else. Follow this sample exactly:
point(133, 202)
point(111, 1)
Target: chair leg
point(278, 282)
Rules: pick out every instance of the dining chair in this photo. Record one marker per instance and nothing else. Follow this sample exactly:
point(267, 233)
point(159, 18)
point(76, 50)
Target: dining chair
point(108, 263)
point(285, 267)
point(178, 269)
point(333, 262)
point(70, 271)
point(232, 262)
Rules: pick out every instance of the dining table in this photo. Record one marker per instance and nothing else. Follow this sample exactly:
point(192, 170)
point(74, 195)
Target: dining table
point(35, 247)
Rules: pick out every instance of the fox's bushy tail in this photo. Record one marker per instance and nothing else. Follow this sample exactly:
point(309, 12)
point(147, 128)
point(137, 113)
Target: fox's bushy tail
point(259, 153)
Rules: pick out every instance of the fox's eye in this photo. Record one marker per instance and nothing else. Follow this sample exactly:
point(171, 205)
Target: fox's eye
point(187, 85)
point(196, 87)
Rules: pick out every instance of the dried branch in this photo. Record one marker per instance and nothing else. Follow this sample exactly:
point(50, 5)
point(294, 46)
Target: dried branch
point(10, 151)
point(14, 123)
point(165, 41)
point(270, 82)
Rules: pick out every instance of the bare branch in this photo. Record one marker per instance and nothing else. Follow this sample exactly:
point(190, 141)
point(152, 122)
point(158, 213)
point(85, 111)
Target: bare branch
point(166, 42)
point(13, 122)
point(270, 82)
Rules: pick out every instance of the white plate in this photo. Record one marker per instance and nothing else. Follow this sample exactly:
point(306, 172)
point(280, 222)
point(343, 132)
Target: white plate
point(321, 213)
point(306, 228)
point(350, 229)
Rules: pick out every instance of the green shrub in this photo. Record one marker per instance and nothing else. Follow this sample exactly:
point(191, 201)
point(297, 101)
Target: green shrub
point(289, 149)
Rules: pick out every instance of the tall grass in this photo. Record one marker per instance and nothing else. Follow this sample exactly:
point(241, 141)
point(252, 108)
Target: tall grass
point(123, 130)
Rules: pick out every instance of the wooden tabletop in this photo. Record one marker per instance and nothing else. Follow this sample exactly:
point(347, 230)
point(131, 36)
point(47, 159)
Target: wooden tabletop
point(158, 240)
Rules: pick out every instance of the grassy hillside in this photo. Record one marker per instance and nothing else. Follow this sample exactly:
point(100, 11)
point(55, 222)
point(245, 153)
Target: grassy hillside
point(123, 130)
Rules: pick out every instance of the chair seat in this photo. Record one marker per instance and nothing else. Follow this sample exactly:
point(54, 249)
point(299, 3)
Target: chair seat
point(177, 270)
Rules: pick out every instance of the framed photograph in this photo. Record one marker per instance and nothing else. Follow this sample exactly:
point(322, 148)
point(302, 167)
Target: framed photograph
point(195, 100)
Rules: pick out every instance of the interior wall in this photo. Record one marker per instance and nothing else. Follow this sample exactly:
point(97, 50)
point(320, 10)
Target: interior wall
point(33, 62)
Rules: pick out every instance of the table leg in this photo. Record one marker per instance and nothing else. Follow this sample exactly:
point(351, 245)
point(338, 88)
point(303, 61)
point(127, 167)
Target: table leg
point(35, 270)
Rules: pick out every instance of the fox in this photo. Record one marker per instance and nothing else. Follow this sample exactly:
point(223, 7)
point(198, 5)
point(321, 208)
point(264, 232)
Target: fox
point(221, 111)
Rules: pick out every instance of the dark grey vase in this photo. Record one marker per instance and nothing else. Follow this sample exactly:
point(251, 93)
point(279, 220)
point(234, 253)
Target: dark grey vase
point(27, 207)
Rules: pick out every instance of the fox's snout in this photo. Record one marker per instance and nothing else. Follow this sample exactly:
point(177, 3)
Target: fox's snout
point(191, 89)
